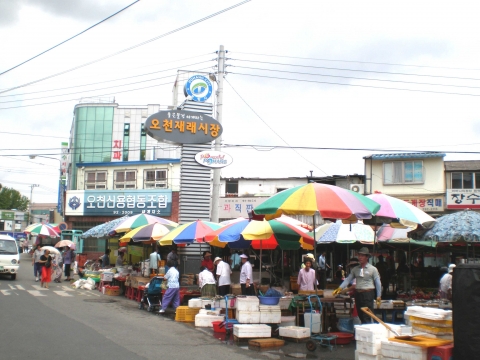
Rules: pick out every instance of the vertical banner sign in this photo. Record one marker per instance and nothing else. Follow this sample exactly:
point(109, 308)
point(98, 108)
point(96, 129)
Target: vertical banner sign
point(62, 182)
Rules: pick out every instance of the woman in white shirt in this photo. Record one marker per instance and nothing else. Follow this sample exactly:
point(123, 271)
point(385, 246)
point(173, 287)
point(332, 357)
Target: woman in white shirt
point(206, 282)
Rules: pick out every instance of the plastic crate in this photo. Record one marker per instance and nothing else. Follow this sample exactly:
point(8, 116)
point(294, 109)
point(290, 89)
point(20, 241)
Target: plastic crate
point(112, 292)
point(185, 314)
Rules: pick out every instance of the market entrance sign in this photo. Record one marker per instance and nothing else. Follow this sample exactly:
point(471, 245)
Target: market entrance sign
point(182, 127)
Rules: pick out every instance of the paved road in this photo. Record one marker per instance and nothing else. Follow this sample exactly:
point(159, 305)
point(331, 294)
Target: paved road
point(61, 323)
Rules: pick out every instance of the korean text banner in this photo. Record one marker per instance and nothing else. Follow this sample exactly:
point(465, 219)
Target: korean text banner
point(182, 127)
point(118, 202)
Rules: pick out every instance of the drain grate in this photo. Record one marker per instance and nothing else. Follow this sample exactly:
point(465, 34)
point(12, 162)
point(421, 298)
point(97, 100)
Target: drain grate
point(101, 301)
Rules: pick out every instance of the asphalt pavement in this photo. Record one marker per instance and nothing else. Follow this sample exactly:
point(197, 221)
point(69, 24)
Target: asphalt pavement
point(62, 323)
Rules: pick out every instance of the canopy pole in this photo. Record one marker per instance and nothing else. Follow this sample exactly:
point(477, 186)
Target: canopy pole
point(260, 262)
point(315, 252)
point(282, 268)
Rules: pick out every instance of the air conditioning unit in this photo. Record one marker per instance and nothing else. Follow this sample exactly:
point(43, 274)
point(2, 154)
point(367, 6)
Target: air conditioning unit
point(359, 188)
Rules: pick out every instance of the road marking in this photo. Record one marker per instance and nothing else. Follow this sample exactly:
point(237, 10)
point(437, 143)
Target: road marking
point(5, 292)
point(62, 293)
point(12, 287)
point(66, 288)
point(35, 292)
point(20, 287)
point(39, 287)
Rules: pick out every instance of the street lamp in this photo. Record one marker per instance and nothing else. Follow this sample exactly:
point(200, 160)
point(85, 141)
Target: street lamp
point(60, 187)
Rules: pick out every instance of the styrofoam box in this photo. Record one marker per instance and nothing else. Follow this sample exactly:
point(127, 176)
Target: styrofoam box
point(203, 320)
point(362, 356)
point(369, 348)
point(271, 317)
point(195, 303)
point(295, 332)
point(288, 321)
point(248, 317)
point(206, 302)
point(285, 302)
point(248, 303)
point(106, 276)
point(370, 332)
point(403, 351)
point(269, 308)
point(210, 312)
point(252, 331)
point(232, 303)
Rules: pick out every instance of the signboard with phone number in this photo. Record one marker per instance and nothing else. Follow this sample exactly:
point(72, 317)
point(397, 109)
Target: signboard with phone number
point(119, 203)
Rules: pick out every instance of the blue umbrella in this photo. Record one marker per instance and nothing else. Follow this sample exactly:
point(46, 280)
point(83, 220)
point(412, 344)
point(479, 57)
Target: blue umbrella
point(459, 226)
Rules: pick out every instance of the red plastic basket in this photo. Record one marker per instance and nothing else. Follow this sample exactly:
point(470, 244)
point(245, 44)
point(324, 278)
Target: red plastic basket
point(217, 328)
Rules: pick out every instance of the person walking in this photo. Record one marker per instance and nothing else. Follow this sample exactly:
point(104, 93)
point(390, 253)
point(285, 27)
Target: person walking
point(172, 294)
point(58, 268)
point(46, 261)
point(446, 284)
point(206, 283)
point(68, 261)
point(223, 276)
point(306, 276)
point(246, 277)
point(322, 270)
point(367, 285)
point(25, 245)
point(37, 266)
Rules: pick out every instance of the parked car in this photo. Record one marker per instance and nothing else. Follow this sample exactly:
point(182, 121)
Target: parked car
point(9, 256)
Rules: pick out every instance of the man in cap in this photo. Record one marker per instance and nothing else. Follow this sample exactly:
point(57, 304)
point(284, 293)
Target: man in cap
point(306, 276)
point(223, 276)
point(367, 285)
point(446, 284)
point(246, 277)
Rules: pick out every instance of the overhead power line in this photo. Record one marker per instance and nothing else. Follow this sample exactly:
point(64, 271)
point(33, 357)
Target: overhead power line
point(359, 70)
point(356, 61)
point(131, 47)
point(106, 81)
point(357, 78)
point(356, 85)
point(63, 42)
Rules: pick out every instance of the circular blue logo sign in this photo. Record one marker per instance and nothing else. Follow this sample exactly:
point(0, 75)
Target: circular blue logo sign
point(199, 88)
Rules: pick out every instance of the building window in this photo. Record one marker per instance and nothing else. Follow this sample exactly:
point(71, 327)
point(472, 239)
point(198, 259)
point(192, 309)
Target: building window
point(231, 188)
point(126, 139)
point(125, 179)
point(403, 172)
point(95, 180)
point(155, 179)
point(94, 245)
point(465, 180)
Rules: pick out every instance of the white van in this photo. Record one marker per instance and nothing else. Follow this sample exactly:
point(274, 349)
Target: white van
point(9, 256)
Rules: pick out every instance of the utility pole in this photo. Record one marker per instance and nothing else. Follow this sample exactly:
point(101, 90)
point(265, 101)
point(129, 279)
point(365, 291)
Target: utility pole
point(218, 140)
point(30, 207)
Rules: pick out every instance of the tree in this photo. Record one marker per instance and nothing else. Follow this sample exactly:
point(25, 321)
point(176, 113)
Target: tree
point(12, 199)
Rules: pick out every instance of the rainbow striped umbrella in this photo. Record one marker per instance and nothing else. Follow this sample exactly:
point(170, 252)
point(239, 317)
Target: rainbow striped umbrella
point(266, 235)
point(146, 233)
point(399, 209)
point(41, 230)
point(136, 221)
point(189, 233)
point(330, 201)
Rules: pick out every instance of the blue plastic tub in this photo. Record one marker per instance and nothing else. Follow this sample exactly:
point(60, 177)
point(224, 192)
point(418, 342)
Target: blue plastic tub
point(267, 300)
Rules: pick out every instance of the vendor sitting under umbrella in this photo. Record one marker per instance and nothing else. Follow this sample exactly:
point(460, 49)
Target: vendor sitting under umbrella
point(207, 260)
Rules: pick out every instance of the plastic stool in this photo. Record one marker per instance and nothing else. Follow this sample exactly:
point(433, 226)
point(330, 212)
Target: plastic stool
point(140, 291)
